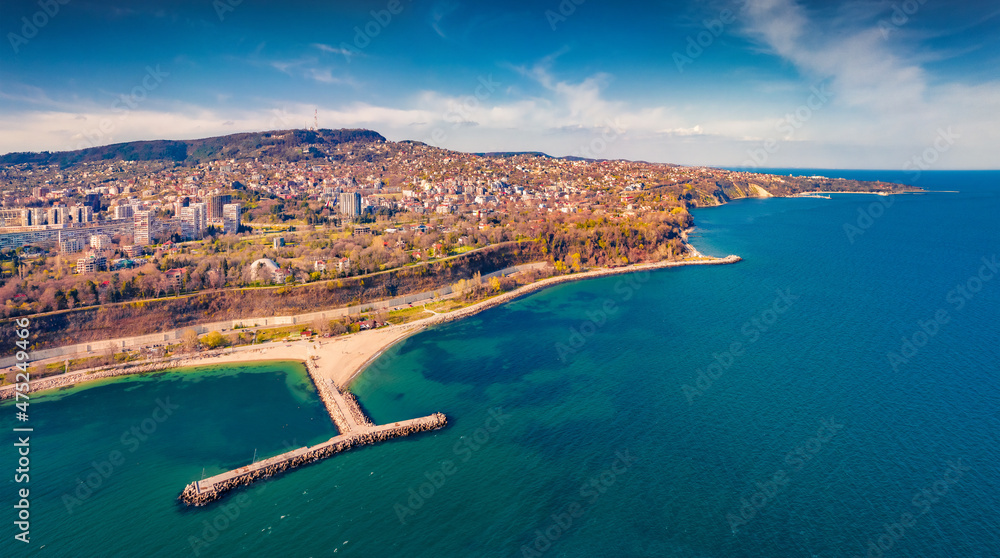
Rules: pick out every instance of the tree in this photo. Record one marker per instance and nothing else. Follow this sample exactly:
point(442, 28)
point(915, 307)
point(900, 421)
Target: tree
point(190, 343)
point(321, 326)
point(213, 340)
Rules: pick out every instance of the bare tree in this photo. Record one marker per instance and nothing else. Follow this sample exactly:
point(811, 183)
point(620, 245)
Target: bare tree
point(190, 343)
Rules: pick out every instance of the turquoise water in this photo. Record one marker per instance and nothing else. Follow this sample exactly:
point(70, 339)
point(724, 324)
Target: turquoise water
point(727, 411)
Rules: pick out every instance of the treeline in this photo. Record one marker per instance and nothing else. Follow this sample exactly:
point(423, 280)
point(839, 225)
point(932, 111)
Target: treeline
point(589, 242)
point(145, 317)
point(49, 284)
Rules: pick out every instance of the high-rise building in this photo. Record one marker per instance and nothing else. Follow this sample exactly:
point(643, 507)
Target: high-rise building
point(81, 214)
point(58, 215)
point(124, 212)
point(143, 228)
point(350, 203)
point(216, 204)
point(231, 218)
point(93, 201)
point(193, 221)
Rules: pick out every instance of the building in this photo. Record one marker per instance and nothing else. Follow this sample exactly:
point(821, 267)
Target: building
point(40, 192)
point(132, 250)
point(344, 265)
point(23, 217)
point(217, 205)
point(202, 223)
point(36, 216)
point(100, 242)
point(266, 270)
point(175, 278)
point(143, 224)
point(193, 218)
point(93, 200)
point(319, 265)
point(58, 215)
point(69, 245)
point(124, 212)
point(91, 263)
point(52, 235)
point(231, 218)
point(81, 214)
point(12, 217)
point(279, 241)
point(350, 204)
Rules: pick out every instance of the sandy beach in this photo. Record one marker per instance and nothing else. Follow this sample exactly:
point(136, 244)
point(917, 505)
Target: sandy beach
point(342, 358)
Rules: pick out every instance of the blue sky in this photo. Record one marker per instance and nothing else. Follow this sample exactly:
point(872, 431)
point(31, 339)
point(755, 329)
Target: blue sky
point(769, 83)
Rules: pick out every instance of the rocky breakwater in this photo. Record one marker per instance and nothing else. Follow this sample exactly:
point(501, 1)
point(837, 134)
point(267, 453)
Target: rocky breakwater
point(354, 408)
point(203, 492)
point(326, 390)
point(72, 378)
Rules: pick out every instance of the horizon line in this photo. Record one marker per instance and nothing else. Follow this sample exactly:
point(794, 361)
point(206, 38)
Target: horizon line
point(733, 168)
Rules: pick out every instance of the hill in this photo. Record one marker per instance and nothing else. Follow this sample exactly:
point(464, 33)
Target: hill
point(287, 145)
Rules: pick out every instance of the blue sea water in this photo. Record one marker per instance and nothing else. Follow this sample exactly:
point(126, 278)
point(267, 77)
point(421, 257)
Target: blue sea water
point(836, 394)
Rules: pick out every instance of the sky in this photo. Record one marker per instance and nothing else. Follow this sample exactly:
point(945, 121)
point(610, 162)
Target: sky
point(752, 83)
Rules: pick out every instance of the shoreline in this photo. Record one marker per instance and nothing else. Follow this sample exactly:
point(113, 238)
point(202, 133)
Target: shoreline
point(509, 296)
point(803, 194)
point(879, 193)
point(345, 358)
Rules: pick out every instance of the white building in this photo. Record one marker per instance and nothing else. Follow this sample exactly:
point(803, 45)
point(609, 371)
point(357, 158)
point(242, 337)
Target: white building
point(143, 228)
point(100, 242)
point(231, 218)
point(350, 203)
point(193, 220)
point(91, 264)
point(266, 270)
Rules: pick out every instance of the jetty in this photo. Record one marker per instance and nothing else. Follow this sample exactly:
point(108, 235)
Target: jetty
point(356, 429)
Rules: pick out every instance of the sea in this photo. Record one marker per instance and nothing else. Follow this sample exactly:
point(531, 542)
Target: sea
point(836, 394)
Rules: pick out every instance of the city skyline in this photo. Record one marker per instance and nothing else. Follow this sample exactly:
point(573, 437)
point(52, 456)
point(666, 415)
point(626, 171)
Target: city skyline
point(765, 83)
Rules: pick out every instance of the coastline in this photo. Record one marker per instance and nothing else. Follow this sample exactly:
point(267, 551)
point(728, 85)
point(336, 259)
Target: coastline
point(341, 359)
point(804, 194)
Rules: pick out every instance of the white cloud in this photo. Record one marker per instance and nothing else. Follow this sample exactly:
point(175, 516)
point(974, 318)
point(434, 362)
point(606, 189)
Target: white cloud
point(885, 109)
point(884, 100)
point(335, 50)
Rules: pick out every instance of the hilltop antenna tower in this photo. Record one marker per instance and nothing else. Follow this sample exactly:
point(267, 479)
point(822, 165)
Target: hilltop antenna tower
point(315, 120)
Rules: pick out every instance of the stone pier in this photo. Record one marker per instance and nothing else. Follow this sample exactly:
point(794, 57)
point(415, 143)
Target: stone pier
point(356, 429)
